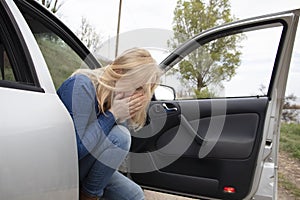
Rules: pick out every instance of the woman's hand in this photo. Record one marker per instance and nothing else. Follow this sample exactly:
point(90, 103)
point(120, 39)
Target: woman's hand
point(124, 108)
point(137, 102)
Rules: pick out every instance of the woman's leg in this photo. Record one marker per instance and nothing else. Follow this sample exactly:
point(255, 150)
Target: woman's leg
point(97, 168)
point(122, 188)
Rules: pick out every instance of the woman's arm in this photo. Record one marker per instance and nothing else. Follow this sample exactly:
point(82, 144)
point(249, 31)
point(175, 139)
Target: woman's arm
point(80, 96)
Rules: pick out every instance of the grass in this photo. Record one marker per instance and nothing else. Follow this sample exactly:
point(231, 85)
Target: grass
point(60, 58)
point(286, 184)
point(290, 143)
point(290, 139)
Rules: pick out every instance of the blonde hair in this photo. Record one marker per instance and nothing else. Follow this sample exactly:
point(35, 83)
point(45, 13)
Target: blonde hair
point(134, 69)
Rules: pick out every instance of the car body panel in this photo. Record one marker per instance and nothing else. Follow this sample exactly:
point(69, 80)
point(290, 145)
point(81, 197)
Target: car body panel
point(38, 152)
point(38, 145)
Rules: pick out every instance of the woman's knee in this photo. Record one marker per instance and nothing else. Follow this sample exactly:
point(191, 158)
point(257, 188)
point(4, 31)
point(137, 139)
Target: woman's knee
point(122, 188)
point(120, 136)
point(138, 193)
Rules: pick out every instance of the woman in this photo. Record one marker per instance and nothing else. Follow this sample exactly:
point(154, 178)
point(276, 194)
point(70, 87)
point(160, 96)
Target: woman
point(101, 102)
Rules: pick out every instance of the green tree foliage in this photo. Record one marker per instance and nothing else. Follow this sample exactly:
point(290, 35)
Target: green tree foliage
point(211, 63)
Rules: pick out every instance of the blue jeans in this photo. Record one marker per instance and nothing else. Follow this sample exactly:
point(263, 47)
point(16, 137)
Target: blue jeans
point(97, 170)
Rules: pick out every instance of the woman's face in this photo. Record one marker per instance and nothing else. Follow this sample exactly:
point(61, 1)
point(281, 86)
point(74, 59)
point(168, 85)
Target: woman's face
point(139, 90)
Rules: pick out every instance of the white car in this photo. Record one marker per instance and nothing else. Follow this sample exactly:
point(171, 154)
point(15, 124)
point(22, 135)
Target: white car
point(216, 148)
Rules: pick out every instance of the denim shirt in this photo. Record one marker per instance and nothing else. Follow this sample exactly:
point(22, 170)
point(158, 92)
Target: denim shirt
point(78, 94)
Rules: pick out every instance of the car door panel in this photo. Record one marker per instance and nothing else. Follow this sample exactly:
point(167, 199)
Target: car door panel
point(215, 148)
point(38, 147)
point(234, 149)
point(37, 138)
point(234, 141)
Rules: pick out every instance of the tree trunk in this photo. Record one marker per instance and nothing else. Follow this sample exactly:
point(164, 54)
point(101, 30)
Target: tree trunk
point(200, 83)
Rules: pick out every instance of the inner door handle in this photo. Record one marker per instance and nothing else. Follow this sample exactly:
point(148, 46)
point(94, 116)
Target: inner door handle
point(169, 109)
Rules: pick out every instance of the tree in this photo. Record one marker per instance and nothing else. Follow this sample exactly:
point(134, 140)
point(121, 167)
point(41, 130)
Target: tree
point(213, 62)
point(51, 5)
point(88, 35)
point(289, 112)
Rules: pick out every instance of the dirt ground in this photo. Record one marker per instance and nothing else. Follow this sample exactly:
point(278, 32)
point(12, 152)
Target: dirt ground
point(288, 167)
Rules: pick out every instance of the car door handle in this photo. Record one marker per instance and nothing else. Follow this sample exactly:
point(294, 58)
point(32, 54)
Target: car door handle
point(168, 108)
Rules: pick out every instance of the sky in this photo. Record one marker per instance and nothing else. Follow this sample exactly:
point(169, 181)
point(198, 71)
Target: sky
point(154, 17)
point(137, 14)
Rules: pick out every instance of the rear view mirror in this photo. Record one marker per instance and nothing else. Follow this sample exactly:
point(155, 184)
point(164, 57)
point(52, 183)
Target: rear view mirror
point(163, 92)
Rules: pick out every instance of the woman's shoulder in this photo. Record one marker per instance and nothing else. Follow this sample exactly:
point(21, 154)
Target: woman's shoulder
point(81, 77)
point(77, 80)
point(83, 81)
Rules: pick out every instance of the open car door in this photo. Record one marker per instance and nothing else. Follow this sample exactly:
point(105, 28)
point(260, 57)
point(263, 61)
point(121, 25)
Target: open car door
point(224, 146)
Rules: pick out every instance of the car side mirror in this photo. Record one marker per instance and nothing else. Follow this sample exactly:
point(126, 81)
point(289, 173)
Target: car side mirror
point(164, 92)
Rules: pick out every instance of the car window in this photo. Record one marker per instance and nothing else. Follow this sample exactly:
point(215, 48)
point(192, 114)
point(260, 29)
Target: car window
point(60, 50)
point(235, 65)
point(61, 59)
point(16, 69)
point(5, 66)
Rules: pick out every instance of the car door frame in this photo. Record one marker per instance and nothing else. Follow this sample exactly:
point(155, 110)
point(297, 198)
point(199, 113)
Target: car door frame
point(266, 166)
